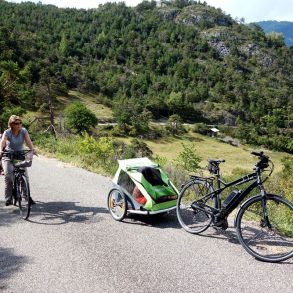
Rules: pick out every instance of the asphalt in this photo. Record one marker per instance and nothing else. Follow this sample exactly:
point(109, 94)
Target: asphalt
point(71, 244)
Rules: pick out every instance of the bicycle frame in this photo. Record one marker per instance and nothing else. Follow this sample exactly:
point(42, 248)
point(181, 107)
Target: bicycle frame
point(221, 186)
point(18, 172)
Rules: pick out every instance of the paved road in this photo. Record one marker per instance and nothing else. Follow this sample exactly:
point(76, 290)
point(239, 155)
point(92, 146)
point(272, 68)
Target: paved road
point(72, 244)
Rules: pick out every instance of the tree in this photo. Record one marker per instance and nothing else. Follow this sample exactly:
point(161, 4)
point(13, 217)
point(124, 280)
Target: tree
point(174, 125)
point(276, 39)
point(80, 118)
point(131, 116)
point(188, 159)
point(141, 148)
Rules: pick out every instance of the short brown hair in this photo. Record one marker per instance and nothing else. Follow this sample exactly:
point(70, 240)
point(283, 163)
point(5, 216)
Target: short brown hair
point(12, 119)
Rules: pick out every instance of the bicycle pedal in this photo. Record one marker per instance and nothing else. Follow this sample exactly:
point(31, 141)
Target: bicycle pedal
point(221, 223)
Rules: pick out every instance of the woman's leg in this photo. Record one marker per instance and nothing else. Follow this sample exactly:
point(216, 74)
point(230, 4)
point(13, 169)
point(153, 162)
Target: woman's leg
point(8, 172)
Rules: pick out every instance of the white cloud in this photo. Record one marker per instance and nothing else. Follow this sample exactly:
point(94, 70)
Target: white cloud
point(251, 10)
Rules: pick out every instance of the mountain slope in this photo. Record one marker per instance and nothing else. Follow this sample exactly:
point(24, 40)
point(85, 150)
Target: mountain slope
point(192, 60)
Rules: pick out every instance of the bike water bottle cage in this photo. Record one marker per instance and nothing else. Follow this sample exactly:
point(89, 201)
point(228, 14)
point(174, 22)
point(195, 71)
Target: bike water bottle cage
point(213, 166)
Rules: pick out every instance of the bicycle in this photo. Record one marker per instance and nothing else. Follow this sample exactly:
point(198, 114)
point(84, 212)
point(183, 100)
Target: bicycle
point(21, 189)
point(264, 222)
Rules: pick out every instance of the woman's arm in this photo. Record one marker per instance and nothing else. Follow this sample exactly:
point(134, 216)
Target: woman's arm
point(3, 142)
point(29, 143)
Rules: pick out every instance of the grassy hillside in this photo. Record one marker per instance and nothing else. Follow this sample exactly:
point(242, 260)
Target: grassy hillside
point(181, 57)
point(103, 112)
point(134, 64)
point(210, 148)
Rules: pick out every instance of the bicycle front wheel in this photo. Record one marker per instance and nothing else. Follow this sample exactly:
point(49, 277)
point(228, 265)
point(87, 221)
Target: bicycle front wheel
point(192, 219)
point(267, 238)
point(24, 202)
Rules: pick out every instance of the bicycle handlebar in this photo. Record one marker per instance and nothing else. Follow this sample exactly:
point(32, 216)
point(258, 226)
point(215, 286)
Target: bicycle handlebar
point(19, 155)
point(11, 151)
point(261, 154)
point(216, 161)
point(263, 160)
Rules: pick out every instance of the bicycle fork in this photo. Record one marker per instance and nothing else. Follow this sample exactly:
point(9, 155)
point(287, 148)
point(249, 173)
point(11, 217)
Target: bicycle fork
point(265, 221)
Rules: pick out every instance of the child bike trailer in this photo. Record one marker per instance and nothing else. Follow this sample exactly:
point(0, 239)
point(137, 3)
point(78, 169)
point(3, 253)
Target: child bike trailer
point(140, 187)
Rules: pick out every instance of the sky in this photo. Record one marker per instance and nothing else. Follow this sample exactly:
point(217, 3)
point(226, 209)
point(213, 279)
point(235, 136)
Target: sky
point(250, 10)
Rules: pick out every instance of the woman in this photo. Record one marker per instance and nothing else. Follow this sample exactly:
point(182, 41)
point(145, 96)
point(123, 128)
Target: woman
point(1, 169)
point(12, 140)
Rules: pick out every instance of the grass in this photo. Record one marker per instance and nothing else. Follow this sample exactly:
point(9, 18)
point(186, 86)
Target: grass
point(210, 148)
point(102, 112)
point(170, 147)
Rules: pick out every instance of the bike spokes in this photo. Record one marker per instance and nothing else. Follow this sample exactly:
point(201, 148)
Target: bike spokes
point(267, 238)
point(24, 201)
point(192, 213)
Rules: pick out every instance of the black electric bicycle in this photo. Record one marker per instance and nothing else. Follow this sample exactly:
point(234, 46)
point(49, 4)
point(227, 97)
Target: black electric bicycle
point(264, 222)
point(21, 189)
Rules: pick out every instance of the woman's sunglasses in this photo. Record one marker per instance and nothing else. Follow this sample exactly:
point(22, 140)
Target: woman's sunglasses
point(17, 123)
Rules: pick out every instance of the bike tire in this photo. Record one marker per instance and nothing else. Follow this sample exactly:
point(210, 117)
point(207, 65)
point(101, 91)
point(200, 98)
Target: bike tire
point(24, 199)
point(117, 204)
point(192, 220)
point(270, 244)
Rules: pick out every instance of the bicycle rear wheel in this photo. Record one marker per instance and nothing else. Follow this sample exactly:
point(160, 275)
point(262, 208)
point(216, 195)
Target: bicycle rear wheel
point(24, 201)
point(192, 219)
point(267, 239)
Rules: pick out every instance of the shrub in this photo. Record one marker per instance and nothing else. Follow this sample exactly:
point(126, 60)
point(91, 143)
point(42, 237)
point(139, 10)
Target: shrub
point(188, 159)
point(132, 118)
point(174, 125)
point(162, 161)
point(79, 118)
point(4, 117)
point(176, 173)
point(141, 148)
point(201, 128)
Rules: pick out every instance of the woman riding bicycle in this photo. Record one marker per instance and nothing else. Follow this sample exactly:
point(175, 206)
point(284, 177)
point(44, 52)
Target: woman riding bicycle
point(12, 140)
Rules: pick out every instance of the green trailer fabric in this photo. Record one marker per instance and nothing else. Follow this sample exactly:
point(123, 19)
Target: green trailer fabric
point(152, 193)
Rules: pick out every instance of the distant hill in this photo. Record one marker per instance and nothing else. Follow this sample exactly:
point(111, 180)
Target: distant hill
point(285, 27)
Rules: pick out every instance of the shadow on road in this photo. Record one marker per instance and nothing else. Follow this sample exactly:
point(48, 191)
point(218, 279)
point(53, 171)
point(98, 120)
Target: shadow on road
point(8, 215)
point(226, 235)
point(58, 213)
point(9, 265)
point(167, 220)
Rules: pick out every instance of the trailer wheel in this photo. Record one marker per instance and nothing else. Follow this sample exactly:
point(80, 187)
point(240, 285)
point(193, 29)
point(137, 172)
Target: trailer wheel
point(117, 204)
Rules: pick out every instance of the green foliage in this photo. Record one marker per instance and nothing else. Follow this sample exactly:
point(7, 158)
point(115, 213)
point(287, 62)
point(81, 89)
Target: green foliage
point(288, 167)
point(285, 27)
point(174, 125)
point(161, 160)
point(276, 39)
point(5, 115)
point(141, 148)
point(183, 58)
point(94, 154)
point(282, 183)
point(201, 128)
point(188, 159)
point(177, 174)
point(79, 118)
point(132, 118)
